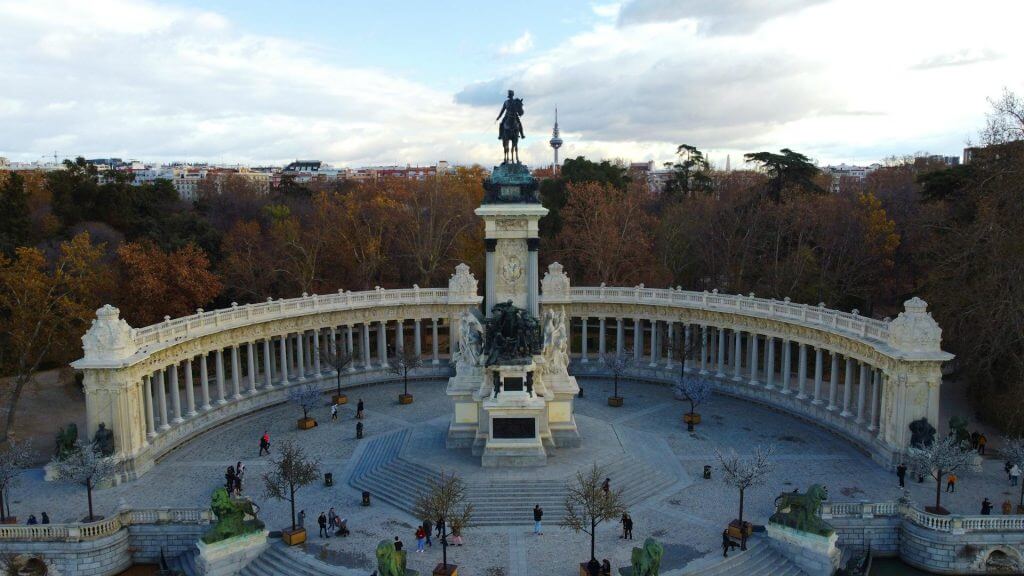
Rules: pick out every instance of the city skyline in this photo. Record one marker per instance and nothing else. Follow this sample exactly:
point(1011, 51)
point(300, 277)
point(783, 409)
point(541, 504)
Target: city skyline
point(393, 85)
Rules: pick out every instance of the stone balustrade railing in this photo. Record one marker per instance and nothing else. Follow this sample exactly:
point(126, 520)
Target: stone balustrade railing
point(83, 531)
point(952, 523)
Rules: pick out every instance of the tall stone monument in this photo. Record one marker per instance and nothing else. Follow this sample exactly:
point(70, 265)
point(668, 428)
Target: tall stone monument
point(512, 391)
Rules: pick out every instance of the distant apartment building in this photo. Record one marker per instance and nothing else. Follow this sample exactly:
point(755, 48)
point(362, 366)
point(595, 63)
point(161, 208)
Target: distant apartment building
point(186, 181)
point(847, 173)
point(657, 178)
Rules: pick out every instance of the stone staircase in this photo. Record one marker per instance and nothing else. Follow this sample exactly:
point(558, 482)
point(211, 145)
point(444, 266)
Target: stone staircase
point(759, 559)
point(388, 476)
point(279, 560)
point(185, 563)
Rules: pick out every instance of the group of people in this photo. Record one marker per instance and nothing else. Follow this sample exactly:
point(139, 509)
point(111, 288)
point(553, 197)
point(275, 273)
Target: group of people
point(359, 416)
point(331, 522)
point(33, 520)
point(233, 478)
point(427, 528)
point(595, 568)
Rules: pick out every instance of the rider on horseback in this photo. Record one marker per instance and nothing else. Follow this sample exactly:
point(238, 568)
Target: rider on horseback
point(512, 108)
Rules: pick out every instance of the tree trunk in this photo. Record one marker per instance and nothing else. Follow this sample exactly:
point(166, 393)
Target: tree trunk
point(12, 404)
point(1021, 497)
point(444, 545)
point(405, 382)
point(291, 488)
point(741, 508)
point(938, 492)
point(593, 530)
point(616, 385)
point(3, 512)
point(88, 491)
point(338, 370)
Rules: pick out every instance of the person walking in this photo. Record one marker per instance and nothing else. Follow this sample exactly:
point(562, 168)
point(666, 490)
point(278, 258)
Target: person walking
point(321, 520)
point(265, 443)
point(623, 522)
point(982, 441)
point(986, 507)
point(1014, 475)
point(421, 539)
point(901, 473)
point(359, 430)
point(726, 543)
point(359, 409)
point(428, 527)
point(538, 515)
point(627, 526)
point(334, 411)
point(302, 518)
point(606, 568)
point(951, 483)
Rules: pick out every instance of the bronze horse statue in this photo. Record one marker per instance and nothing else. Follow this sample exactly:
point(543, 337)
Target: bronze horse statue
point(511, 128)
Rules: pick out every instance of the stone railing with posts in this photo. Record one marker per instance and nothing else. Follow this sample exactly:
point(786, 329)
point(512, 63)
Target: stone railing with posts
point(952, 523)
point(84, 531)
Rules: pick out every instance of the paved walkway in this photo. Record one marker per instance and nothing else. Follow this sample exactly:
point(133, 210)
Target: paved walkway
point(687, 517)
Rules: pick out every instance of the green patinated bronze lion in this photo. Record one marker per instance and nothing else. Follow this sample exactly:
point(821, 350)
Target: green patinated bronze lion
point(235, 516)
point(390, 562)
point(646, 561)
point(803, 511)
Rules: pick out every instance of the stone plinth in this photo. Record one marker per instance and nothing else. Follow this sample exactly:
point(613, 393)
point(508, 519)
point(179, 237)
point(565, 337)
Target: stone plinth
point(815, 554)
point(516, 424)
point(230, 556)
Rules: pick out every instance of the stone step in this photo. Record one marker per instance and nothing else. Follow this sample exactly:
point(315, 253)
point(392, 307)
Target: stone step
point(759, 559)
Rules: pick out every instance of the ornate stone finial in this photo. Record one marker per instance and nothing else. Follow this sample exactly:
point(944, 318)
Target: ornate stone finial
point(555, 282)
point(462, 285)
point(109, 338)
point(914, 330)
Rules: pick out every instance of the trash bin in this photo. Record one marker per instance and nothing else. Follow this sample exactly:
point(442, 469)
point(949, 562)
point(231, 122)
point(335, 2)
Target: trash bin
point(366, 498)
point(328, 479)
point(707, 472)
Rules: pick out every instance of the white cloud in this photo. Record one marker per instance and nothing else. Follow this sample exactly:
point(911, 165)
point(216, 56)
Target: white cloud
point(518, 46)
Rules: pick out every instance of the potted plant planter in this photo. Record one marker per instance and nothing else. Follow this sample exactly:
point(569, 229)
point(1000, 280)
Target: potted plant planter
point(339, 399)
point(441, 570)
point(405, 398)
point(615, 401)
point(737, 531)
point(691, 418)
point(10, 520)
point(293, 537)
point(1020, 509)
point(583, 568)
point(306, 423)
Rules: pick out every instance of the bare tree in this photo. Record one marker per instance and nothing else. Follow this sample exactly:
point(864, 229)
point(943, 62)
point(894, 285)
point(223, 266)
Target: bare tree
point(1013, 451)
point(290, 470)
point(695, 391)
point(338, 358)
point(617, 365)
point(587, 505)
point(942, 457)
point(305, 396)
point(1006, 121)
point(445, 498)
point(402, 363)
point(746, 472)
point(85, 465)
point(15, 457)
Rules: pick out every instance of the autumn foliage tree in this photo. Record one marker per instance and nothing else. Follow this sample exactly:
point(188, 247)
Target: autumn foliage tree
point(155, 283)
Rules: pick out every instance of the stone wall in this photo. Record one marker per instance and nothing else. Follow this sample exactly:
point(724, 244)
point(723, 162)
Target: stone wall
point(970, 553)
point(100, 557)
point(146, 540)
point(880, 535)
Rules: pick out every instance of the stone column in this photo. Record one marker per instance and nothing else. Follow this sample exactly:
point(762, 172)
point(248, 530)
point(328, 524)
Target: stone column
point(417, 338)
point(315, 352)
point(638, 340)
point(250, 353)
point(350, 348)
point(801, 373)
point(670, 342)
point(147, 390)
point(737, 373)
point(300, 355)
point(366, 345)
point(161, 398)
point(847, 388)
point(721, 353)
point(583, 340)
point(620, 337)
point(236, 373)
point(268, 361)
point(833, 382)
point(222, 396)
point(601, 344)
point(654, 343)
point(172, 373)
point(435, 358)
point(284, 359)
point(861, 389)
point(382, 343)
point(490, 245)
point(332, 344)
point(532, 277)
point(787, 366)
point(769, 371)
point(876, 381)
point(753, 340)
point(204, 382)
point(687, 341)
point(819, 368)
point(190, 393)
point(400, 336)
point(704, 350)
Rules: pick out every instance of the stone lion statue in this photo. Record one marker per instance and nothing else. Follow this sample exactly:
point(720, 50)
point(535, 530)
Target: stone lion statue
point(235, 516)
point(390, 562)
point(646, 561)
point(802, 511)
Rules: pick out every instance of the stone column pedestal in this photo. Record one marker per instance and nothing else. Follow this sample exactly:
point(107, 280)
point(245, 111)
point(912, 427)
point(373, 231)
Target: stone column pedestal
point(815, 554)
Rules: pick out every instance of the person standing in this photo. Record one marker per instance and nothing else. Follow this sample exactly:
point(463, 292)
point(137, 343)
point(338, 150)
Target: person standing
point(334, 411)
point(45, 518)
point(239, 474)
point(627, 525)
point(265, 443)
point(986, 507)
point(901, 473)
point(398, 544)
point(1006, 468)
point(428, 527)
point(456, 534)
point(951, 483)
point(606, 486)
point(982, 441)
point(606, 568)
point(623, 522)
point(321, 520)
point(302, 518)
point(359, 430)
point(32, 520)
point(1014, 475)
point(726, 543)
point(229, 479)
point(332, 518)
point(421, 539)
point(538, 515)
point(359, 409)
point(439, 526)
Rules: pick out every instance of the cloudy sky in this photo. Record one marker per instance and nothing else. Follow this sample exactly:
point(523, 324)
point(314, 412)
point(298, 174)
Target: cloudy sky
point(390, 82)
